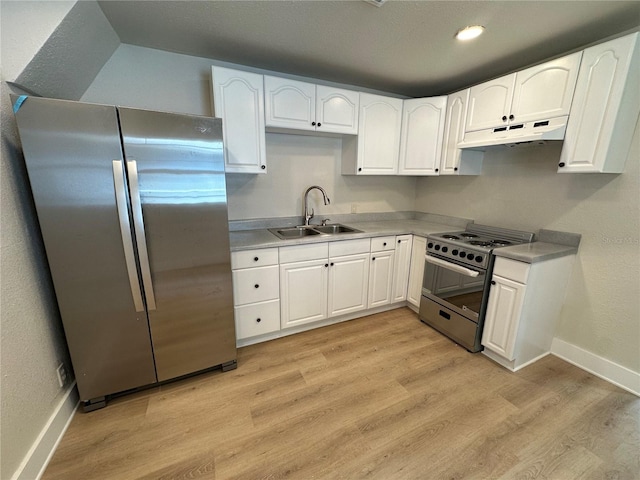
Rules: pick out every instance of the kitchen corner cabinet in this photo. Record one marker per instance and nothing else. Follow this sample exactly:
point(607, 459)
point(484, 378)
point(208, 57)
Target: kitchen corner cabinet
point(381, 271)
point(375, 150)
point(238, 99)
point(537, 93)
point(523, 308)
point(401, 267)
point(256, 292)
point(422, 128)
point(456, 161)
point(299, 105)
point(605, 108)
point(416, 271)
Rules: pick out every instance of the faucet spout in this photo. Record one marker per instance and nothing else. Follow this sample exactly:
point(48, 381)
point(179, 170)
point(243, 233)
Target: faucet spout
point(308, 216)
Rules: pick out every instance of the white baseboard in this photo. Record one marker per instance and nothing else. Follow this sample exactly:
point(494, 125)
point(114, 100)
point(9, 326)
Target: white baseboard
point(40, 453)
point(601, 367)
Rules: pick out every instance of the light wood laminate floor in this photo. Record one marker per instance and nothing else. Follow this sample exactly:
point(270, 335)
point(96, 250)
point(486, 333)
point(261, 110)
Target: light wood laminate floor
point(382, 397)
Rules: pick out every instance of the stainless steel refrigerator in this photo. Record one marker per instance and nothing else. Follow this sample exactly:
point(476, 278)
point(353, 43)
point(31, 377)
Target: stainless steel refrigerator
point(132, 206)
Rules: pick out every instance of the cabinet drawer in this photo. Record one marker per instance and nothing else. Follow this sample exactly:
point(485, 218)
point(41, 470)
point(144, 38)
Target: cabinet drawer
point(511, 269)
point(256, 285)
point(349, 247)
point(254, 258)
point(379, 244)
point(302, 253)
point(257, 319)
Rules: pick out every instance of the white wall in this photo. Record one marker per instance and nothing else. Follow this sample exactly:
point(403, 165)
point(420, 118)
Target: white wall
point(147, 78)
point(32, 342)
point(519, 188)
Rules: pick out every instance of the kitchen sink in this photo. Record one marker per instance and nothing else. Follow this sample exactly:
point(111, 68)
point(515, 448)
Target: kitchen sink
point(289, 233)
point(337, 228)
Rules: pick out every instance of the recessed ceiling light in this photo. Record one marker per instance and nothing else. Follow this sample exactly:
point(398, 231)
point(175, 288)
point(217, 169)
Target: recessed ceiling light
point(468, 33)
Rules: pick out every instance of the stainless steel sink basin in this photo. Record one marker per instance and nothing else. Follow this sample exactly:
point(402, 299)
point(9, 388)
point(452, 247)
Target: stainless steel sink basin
point(293, 232)
point(289, 233)
point(337, 228)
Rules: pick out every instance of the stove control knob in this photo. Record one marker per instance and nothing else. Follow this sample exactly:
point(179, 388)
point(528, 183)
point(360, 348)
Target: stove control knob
point(437, 247)
point(479, 259)
point(470, 256)
point(445, 249)
point(463, 254)
point(455, 251)
point(430, 245)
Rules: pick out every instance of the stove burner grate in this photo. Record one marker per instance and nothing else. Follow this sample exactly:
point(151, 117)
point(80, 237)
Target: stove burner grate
point(451, 237)
point(469, 235)
point(480, 243)
point(500, 243)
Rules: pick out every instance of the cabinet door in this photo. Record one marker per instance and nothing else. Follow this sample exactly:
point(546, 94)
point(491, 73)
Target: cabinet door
point(503, 316)
point(489, 103)
point(378, 135)
point(421, 138)
point(545, 91)
point(238, 99)
point(289, 103)
point(416, 270)
point(381, 278)
point(337, 110)
point(303, 292)
point(455, 161)
point(401, 268)
point(605, 108)
point(348, 281)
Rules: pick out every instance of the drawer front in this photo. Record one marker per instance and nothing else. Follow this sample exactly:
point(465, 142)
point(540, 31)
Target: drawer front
point(256, 285)
point(378, 244)
point(257, 319)
point(349, 247)
point(302, 253)
point(511, 269)
point(254, 258)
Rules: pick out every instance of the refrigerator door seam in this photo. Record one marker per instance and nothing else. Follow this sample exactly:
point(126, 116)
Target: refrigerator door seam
point(125, 231)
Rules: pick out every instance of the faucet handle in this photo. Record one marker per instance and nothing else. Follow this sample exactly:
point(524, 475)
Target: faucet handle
point(324, 222)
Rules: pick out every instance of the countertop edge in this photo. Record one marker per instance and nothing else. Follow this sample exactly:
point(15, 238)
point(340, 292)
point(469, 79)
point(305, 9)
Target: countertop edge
point(535, 252)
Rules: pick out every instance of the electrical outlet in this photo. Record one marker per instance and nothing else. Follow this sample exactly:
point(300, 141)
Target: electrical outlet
point(354, 208)
point(62, 375)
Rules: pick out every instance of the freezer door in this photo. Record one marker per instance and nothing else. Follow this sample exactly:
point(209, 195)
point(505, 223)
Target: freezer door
point(70, 149)
point(175, 167)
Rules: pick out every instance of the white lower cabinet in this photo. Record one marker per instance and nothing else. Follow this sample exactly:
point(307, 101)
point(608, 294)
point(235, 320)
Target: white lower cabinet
point(381, 271)
point(256, 291)
point(348, 277)
point(416, 270)
point(401, 267)
point(524, 305)
point(303, 292)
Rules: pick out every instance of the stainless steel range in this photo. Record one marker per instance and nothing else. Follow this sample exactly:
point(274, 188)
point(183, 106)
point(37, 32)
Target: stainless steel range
point(457, 279)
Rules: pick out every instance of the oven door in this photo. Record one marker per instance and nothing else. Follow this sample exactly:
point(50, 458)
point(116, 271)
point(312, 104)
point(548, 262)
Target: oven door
point(457, 287)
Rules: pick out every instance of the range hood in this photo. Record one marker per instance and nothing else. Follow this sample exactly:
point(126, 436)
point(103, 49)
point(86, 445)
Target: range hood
point(529, 132)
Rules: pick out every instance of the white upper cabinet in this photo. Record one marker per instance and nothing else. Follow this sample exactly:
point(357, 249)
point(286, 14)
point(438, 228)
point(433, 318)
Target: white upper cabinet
point(605, 108)
point(238, 99)
point(537, 93)
point(421, 138)
point(305, 106)
point(375, 150)
point(456, 161)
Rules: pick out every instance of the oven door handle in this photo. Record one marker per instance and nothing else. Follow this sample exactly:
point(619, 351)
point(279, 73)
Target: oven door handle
point(451, 266)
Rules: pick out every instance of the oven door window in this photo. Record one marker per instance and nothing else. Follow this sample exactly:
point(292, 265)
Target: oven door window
point(454, 288)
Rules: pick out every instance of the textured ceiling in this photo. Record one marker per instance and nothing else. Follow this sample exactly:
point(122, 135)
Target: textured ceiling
point(405, 47)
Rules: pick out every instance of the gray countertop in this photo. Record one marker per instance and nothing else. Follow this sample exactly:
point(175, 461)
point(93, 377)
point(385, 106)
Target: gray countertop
point(263, 238)
point(530, 252)
point(535, 252)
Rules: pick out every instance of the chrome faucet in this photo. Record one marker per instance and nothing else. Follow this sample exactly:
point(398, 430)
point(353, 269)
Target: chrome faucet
point(308, 216)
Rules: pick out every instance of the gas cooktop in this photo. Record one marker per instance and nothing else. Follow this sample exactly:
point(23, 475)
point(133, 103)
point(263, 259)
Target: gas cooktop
point(473, 246)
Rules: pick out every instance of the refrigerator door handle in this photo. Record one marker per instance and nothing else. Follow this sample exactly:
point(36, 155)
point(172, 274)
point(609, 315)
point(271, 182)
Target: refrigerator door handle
point(125, 231)
point(141, 239)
